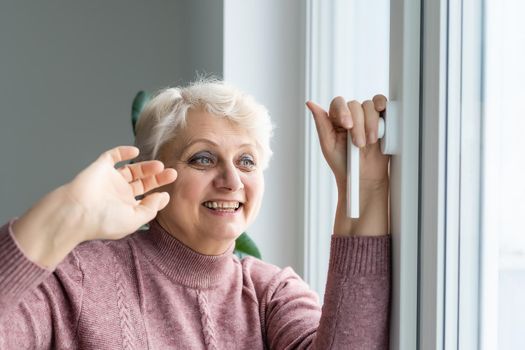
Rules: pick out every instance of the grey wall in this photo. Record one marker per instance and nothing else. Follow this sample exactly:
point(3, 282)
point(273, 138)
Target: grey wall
point(68, 73)
point(202, 35)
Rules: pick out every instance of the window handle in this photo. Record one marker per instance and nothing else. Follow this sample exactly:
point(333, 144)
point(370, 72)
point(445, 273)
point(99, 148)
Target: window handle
point(388, 133)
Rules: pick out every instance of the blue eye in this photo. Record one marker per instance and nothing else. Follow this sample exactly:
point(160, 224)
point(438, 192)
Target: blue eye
point(202, 159)
point(247, 162)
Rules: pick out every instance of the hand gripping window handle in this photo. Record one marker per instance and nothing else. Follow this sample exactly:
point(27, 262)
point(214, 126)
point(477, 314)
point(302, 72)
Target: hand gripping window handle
point(388, 133)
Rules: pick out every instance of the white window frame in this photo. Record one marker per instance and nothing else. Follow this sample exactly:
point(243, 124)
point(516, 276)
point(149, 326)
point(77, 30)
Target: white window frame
point(450, 174)
point(319, 188)
point(432, 219)
point(405, 19)
point(435, 180)
point(319, 185)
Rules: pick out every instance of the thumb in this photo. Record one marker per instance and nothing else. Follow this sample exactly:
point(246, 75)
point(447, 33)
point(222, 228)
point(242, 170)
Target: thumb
point(322, 123)
point(151, 204)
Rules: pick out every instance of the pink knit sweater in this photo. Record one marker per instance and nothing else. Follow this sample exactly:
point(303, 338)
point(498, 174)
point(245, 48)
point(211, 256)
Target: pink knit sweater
point(149, 291)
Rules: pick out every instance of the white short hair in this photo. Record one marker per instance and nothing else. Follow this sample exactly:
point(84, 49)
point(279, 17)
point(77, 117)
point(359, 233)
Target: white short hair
point(167, 112)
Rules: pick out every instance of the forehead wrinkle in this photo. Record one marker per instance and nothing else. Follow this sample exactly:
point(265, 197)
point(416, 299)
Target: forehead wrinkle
point(201, 127)
point(217, 144)
point(206, 133)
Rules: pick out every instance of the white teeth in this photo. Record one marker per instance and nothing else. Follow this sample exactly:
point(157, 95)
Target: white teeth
point(222, 205)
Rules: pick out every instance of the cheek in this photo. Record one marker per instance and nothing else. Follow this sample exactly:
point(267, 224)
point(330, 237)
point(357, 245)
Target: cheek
point(255, 190)
point(189, 187)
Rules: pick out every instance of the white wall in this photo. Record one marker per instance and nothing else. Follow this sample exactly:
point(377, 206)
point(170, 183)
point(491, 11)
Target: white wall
point(68, 74)
point(264, 55)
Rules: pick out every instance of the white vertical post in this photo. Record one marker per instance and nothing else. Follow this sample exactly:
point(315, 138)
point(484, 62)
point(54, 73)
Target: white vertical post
point(432, 185)
point(352, 178)
point(452, 188)
point(471, 189)
point(319, 189)
point(491, 182)
point(404, 88)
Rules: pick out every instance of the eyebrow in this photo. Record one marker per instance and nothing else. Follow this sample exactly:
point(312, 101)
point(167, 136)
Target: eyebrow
point(210, 142)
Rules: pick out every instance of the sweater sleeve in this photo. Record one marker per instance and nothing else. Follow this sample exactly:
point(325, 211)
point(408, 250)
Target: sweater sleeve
point(355, 313)
point(37, 306)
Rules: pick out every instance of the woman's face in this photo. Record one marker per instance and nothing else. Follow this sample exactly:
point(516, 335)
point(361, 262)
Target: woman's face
point(219, 186)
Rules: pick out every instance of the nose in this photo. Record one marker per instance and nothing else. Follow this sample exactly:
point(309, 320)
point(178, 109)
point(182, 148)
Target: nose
point(228, 178)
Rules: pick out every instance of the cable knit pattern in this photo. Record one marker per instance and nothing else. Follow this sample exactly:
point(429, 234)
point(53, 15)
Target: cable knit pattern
point(128, 338)
point(208, 330)
point(150, 291)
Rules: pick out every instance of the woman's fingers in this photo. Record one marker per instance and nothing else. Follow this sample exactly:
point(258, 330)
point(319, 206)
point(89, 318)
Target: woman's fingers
point(361, 119)
point(379, 102)
point(146, 184)
point(150, 205)
point(371, 121)
point(340, 114)
point(358, 117)
point(132, 172)
point(322, 123)
point(146, 176)
point(142, 177)
point(120, 153)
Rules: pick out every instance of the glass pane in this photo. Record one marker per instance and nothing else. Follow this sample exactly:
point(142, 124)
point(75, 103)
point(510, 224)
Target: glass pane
point(504, 185)
point(361, 49)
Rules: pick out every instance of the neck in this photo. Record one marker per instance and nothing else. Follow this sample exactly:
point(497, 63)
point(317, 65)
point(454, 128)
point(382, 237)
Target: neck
point(180, 263)
point(195, 241)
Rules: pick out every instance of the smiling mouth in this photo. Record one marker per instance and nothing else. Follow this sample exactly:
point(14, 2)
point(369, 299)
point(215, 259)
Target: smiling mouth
point(225, 207)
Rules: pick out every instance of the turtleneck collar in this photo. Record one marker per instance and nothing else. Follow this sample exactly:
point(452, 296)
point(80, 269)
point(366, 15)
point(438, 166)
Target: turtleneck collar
point(180, 263)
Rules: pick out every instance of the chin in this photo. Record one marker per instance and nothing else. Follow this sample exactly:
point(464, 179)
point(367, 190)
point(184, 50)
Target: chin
point(226, 233)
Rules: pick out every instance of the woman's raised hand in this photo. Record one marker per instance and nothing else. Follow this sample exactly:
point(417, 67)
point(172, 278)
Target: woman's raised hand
point(106, 196)
point(361, 119)
point(99, 203)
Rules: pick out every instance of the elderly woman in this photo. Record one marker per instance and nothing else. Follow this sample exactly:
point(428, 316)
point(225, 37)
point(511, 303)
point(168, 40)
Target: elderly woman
point(74, 275)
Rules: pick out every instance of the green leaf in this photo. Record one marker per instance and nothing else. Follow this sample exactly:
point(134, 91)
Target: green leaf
point(245, 246)
point(140, 100)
